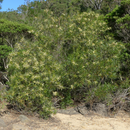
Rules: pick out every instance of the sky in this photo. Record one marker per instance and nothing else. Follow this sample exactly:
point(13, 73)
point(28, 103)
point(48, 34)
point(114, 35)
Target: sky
point(12, 4)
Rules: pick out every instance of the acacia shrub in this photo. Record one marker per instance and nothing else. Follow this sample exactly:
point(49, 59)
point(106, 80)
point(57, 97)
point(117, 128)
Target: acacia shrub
point(31, 78)
point(81, 45)
point(92, 55)
point(71, 54)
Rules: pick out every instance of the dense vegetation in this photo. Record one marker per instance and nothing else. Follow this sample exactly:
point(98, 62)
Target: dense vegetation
point(67, 50)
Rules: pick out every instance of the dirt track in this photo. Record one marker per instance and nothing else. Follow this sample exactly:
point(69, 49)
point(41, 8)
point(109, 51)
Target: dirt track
point(68, 122)
point(95, 122)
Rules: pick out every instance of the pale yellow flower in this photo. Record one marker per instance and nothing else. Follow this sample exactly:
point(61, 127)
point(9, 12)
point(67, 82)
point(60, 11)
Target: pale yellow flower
point(93, 44)
point(99, 74)
point(26, 65)
point(95, 82)
point(63, 14)
point(46, 10)
point(40, 89)
point(89, 75)
point(83, 66)
point(17, 65)
point(60, 87)
point(84, 34)
point(89, 82)
point(72, 86)
point(40, 95)
point(55, 93)
point(80, 29)
point(94, 63)
point(74, 63)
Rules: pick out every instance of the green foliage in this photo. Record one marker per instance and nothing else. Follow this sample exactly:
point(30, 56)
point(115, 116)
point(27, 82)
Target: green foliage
point(100, 6)
point(70, 52)
point(113, 19)
point(101, 92)
point(119, 21)
point(64, 6)
point(108, 5)
point(35, 8)
point(11, 15)
point(11, 32)
point(4, 51)
point(63, 50)
point(110, 94)
point(8, 27)
point(1, 2)
point(31, 78)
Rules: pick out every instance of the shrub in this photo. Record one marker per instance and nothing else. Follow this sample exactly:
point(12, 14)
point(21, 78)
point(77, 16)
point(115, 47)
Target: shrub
point(119, 21)
point(71, 54)
point(31, 78)
point(88, 55)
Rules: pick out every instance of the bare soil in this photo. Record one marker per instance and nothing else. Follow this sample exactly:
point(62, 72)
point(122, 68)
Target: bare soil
point(60, 121)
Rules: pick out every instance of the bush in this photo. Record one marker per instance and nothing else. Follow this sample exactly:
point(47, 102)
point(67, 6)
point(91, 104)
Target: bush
point(30, 78)
point(119, 21)
point(88, 55)
point(114, 95)
point(71, 53)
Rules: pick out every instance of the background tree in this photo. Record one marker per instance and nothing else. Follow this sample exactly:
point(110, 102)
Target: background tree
point(57, 7)
point(12, 15)
point(10, 33)
point(64, 6)
point(119, 21)
point(1, 2)
point(102, 6)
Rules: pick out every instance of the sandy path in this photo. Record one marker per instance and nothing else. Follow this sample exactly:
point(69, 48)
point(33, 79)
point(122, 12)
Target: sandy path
point(69, 122)
point(79, 122)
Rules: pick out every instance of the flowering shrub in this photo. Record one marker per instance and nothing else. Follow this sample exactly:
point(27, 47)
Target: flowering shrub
point(70, 54)
point(81, 45)
point(31, 80)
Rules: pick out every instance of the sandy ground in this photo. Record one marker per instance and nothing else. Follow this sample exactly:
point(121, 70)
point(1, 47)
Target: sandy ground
point(96, 122)
point(69, 122)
